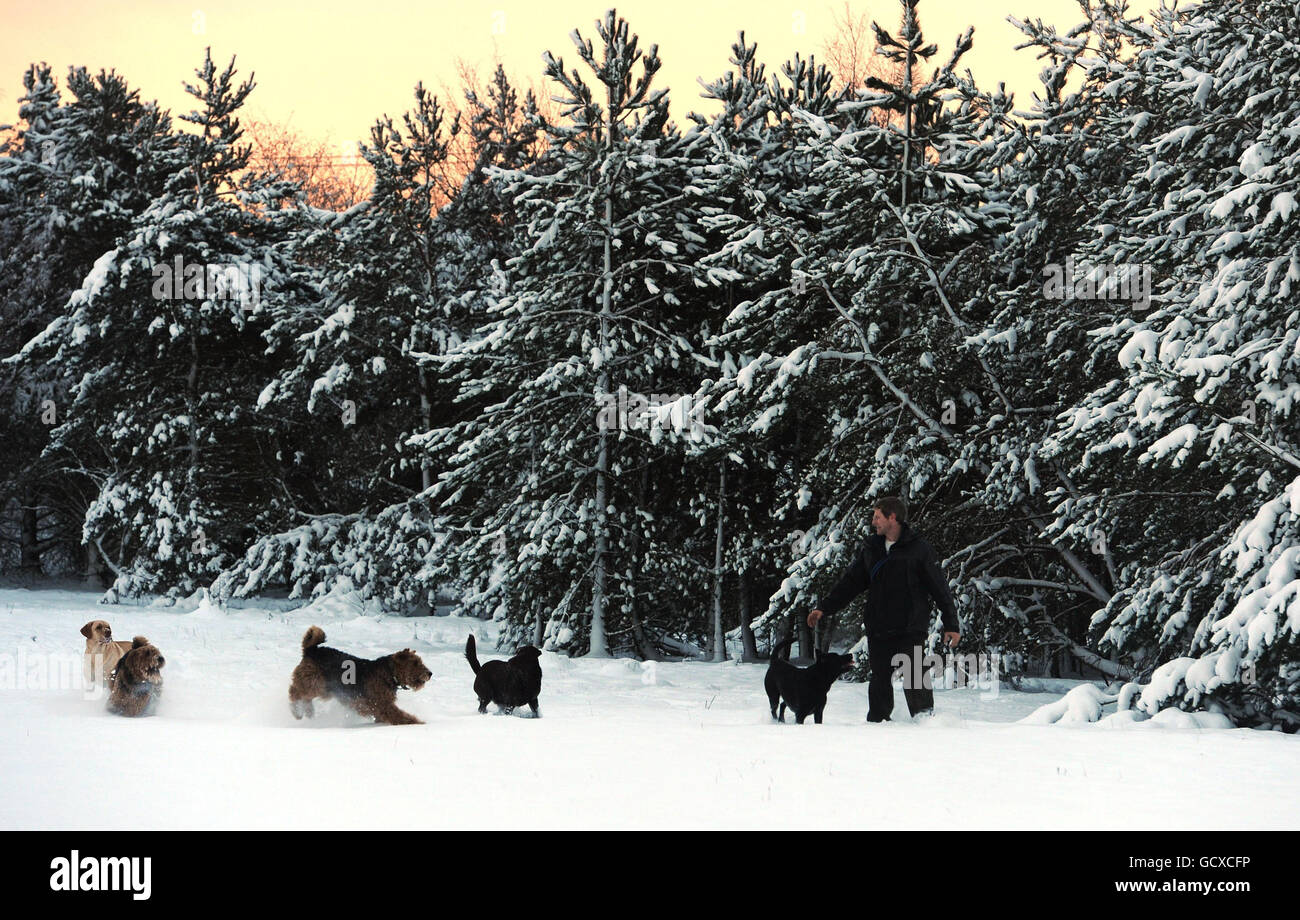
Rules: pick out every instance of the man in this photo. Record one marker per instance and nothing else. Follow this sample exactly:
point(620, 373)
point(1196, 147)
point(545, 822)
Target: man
point(900, 574)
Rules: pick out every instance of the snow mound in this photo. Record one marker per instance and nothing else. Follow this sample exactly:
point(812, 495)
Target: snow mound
point(1124, 719)
point(1043, 684)
point(941, 719)
point(620, 667)
point(556, 661)
point(204, 607)
point(1166, 718)
point(340, 603)
point(1176, 718)
point(1082, 704)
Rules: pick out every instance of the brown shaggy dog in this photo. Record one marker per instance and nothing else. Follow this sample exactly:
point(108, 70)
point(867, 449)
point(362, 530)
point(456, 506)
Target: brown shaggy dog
point(136, 683)
point(102, 653)
point(367, 686)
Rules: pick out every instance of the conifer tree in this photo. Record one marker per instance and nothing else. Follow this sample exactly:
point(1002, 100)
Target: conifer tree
point(543, 485)
point(71, 181)
point(162, 344)
point(1191, 450)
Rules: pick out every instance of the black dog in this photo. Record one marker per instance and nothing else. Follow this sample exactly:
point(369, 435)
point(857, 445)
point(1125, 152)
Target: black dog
point(507, 683)
point(802, 689)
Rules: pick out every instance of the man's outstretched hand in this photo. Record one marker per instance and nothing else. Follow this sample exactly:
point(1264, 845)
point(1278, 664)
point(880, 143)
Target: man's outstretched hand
point(813, 617)
point(950, 639)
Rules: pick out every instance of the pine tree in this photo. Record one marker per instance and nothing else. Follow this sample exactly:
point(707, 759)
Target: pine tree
point(162, 340)
point(1203, 404)
point(362, 380)
point(544, 487)
point(75, 176)
point(857, 346)
point(1027, 578)
point(755, 211)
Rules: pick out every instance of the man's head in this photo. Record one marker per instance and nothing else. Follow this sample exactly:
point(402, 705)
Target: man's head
point(888, 516)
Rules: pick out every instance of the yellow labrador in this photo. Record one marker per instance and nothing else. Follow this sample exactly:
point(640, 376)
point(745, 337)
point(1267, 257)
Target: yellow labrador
point(102, 653)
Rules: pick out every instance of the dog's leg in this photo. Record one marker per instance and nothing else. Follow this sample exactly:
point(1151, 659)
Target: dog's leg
point(781, 718)
point(482, 705)
point(388, 713)
point(306, 685)
point(799, 717)
point(817, 715)
point(532, 704)
point(509, 710)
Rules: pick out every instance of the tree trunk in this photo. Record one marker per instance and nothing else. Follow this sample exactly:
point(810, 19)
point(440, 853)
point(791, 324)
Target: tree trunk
point(193, 381)
point(747, 614)
point(719, 634)
point(426, 411)
point(909, 30)
point(907, 114)
point(1064, 645)
point(29, 559)
point(94, 567)
point(645, 647)
point(599, 647)
point(805, 638)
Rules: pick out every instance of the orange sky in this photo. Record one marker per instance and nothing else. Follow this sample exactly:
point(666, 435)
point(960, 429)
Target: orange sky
point(328, 68)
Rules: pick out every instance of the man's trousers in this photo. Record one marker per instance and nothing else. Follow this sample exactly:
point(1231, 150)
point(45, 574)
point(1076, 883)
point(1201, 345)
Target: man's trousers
point(889, 655)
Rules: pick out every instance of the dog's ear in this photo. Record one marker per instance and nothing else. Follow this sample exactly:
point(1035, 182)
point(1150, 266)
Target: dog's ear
point(85, 630)
point(139, 641)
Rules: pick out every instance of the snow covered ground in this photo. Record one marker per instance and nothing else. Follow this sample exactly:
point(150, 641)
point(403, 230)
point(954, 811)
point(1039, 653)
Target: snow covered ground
point(620, 744)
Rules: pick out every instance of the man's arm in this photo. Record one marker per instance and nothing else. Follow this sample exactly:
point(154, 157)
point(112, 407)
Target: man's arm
point(851, 584)
point(937, 587)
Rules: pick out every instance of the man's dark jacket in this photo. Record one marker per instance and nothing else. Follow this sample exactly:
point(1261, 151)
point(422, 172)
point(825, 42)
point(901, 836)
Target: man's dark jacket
point(899, 586)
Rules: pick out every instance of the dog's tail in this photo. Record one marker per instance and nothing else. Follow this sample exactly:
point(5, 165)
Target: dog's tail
point(312, 638)
point(782, 646)
point(470, 654)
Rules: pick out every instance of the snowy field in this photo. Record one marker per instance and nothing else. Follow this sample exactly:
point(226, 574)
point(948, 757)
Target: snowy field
point(619, 744)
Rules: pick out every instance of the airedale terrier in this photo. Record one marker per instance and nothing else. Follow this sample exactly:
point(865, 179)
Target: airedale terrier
point(135, 685)
point(367, 686)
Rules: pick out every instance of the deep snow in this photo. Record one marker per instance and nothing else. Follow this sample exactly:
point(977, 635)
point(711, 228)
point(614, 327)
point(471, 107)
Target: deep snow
point(620, 744)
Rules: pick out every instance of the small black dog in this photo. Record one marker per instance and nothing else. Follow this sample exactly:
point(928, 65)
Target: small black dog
point(507, 683)
point(803, 690)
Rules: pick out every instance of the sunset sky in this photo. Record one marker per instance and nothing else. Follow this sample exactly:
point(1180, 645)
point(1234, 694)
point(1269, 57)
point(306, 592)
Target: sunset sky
point(328, 68)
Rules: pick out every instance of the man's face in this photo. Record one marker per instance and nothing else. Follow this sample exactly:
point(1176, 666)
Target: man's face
point(886, 525)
